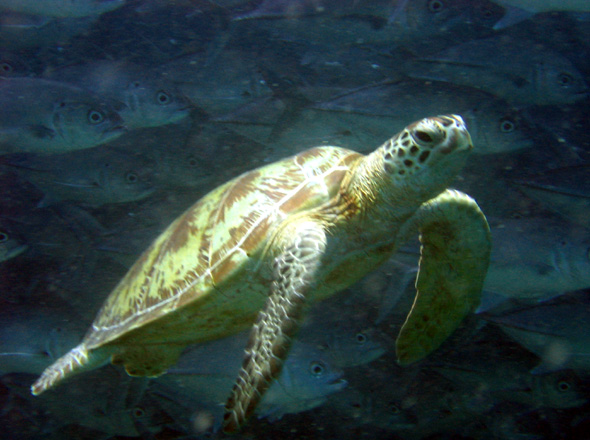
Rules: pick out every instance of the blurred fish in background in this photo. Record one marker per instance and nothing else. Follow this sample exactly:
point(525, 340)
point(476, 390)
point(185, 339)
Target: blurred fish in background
point(61, 8)
point(50, 117)
point(557, 331)
point(12, 243)
point(519, 10)
point(13, 65)
point(218, 83)
point(519, 71)
point(564, 191)
point(537, 259)
point(203, 377)
point(90, 178)
point(147, 100)
point(117, 115)
point(27, 349)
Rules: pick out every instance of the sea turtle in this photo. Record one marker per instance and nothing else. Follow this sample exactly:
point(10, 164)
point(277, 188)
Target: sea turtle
point(256, 250)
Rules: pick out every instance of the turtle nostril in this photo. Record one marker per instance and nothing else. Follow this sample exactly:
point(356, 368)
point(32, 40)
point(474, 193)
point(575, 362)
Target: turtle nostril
point(446, 122)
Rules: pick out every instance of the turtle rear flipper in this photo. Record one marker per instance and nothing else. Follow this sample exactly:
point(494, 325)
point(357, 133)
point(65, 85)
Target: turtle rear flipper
point(270, 337)
point(77, 360)
point(148, 360)
point(455, 254)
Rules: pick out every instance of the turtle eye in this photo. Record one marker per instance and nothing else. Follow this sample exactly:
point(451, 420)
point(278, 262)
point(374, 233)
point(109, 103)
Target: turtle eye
point(565, 80)
point(163, 98)
point(436, 6)
point(360, 338)
point(317, 368)
point(131, 177)
point(95, 117)
point(507, 125)
point(3, 237)
point(423, 136)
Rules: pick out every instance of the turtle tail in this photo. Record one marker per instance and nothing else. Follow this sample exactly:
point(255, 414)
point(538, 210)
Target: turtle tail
point(71, 363)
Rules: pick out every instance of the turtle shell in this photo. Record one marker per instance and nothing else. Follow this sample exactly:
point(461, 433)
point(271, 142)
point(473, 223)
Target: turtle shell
point(205, 276)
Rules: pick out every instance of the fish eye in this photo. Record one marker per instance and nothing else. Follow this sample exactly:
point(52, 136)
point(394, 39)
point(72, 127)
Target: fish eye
point(3, 237)
point(6, 67)
point(317, 368)
point(131, 177)
point(192, 161)
point(507, 125)
point(138, 412)
point(361, 338)
point(163, 98)
point(565, 80)
point(487, 13)
point(394, 408)
point(436, 5)
point(563, 385)
point(95, 117)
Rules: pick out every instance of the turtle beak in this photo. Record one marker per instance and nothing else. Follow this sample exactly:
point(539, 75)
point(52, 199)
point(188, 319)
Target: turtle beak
point(457, 136)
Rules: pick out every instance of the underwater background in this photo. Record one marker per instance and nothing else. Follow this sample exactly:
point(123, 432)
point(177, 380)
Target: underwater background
point(118, 115)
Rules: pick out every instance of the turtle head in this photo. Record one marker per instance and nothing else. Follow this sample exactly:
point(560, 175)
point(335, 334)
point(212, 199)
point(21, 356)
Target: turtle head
point(426, 155)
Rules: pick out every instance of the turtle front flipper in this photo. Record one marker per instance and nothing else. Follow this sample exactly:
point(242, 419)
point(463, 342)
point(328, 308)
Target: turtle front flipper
point(454, 259)
point(270, 339)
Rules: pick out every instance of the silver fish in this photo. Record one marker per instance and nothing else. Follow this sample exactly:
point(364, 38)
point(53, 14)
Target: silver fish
point(519, 71)
point(12, 243)
point(91, 178)
point(365, 116)
point(13, 65)
point(49, 117)
point(291, 9)
point(507, 379)
point(22, 31)
point(203, 377)
point(26, 349)
point(533, 259)
point(565, 191)
point(346, 337)
point(547, 5)
point(148, 99)
point(218, 82)
point(385, 22)
point(366, 407)
point(61, 8)
point(194, 157)
point(536, 259)
point(519, 10)
point(109, 409)
point(304, 383)
point(557, 331)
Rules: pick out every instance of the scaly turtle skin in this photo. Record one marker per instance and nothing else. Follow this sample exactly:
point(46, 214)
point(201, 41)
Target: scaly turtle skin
point(256, 250)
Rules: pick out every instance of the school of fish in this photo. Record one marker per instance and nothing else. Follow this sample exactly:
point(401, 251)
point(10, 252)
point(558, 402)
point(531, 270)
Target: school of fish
point(117, 115)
